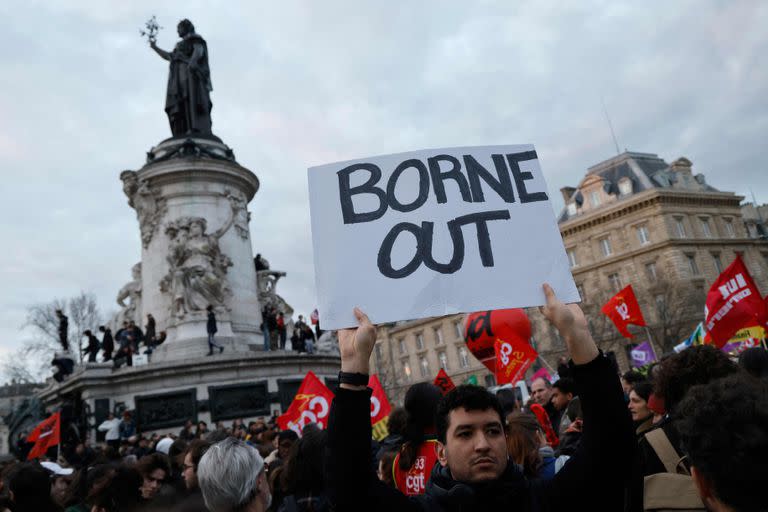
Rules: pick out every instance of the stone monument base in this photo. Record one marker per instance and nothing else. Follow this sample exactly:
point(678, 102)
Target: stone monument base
point(165, 394)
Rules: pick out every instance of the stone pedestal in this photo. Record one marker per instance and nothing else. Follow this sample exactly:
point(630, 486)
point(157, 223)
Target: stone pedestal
point(191, 200)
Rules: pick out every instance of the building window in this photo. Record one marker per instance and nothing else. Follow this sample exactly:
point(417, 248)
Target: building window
point(572, 257)
point(706, 230)
point(438, 336)
point(407, 371)
point(680, 227)
point(490, 380)
point(419, 342)
point(457, 330)
point(729, 229)
point(615, 281)
point(443, 359)
point(692, 266)
point(717, 262)
point(401, 345)
point(594, 198)
point(424, 365)
point(379, 354)
point(571, 209)
point(463, 358)
point(625, 187)
point(605, 246)
point(642, 235)
point(650, 271)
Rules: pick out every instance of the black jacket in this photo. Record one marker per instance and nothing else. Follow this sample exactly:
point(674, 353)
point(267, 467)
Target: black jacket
point(211, 324)
point(593, 479)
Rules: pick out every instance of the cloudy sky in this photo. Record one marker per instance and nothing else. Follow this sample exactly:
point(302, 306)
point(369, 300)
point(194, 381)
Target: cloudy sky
point(301, 83)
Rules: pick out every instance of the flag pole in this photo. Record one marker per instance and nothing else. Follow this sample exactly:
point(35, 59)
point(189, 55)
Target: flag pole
point(651, 343)
point(547, 364)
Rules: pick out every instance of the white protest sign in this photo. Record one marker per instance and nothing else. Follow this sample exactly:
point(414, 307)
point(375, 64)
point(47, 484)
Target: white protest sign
point(434, 232)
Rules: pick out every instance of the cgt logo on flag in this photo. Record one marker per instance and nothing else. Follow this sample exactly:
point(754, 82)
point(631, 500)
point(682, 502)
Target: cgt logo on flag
point(513, 358)
point(624, 310)
point(311, 404)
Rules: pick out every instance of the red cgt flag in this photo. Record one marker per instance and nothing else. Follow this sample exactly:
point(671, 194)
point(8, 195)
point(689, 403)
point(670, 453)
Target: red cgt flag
point(444, 382)
point(45, 435)
point(733, 302)
point(623, 309)
point(311, 404)
point(513, 358)
point(380, 409)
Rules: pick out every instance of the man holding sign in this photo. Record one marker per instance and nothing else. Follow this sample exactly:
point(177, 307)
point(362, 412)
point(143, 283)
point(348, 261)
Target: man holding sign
point(473, 470)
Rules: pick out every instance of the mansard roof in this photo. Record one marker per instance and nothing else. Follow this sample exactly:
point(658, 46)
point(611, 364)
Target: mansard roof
point(643, 171)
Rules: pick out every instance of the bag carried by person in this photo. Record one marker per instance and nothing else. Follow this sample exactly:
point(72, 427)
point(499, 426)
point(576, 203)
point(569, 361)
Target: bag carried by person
point(673, 490)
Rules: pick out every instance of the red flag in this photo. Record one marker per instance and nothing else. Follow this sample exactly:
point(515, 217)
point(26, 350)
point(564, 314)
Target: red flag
point(311, 404)
point(513, 358)
point(623, 309)
point(444, 382)
point(543, 418)
point(733, 302)
point(380, 409)
point(45, 435)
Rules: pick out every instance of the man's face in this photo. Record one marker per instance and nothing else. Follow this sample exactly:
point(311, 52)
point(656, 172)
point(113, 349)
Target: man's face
point(189, 473)
point(59, 489)
point(559, 399)
point(283, 447)
point(152, 483)
point(540, 392)
point(475, 448)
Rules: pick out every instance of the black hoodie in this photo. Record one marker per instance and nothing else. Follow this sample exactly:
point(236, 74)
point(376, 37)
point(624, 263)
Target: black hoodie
point(592, 479)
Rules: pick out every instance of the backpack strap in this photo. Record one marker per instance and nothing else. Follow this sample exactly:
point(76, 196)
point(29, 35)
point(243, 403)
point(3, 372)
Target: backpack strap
point(667, 454)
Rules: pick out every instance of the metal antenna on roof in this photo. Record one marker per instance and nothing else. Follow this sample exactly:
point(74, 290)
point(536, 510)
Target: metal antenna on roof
point(610, 125)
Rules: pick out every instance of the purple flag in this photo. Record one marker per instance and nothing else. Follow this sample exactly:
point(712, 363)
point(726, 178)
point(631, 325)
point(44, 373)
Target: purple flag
point(732, 348)
point(642, 355)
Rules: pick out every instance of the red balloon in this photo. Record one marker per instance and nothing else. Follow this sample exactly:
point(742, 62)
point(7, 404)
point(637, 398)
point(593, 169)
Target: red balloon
point(484, 327)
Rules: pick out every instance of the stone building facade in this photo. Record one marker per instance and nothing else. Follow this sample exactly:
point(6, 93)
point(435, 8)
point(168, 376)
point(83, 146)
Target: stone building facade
point(633, 219)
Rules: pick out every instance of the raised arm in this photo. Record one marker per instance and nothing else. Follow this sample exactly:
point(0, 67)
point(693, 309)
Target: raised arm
point(351, 478)
point(164, 54)
point(601, 463)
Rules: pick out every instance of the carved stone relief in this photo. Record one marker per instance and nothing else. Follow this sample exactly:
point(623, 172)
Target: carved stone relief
point(241, 214)
point(166, 410)
point(149, 206)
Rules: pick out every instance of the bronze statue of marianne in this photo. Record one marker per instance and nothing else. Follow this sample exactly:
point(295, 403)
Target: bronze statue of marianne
point(188, 100)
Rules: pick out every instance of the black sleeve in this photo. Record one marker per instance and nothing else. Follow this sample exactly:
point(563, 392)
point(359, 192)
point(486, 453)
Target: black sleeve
point(351, 481)
point(598, 470)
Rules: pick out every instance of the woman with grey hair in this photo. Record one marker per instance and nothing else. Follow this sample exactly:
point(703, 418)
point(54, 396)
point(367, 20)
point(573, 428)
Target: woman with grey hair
point(232, 477)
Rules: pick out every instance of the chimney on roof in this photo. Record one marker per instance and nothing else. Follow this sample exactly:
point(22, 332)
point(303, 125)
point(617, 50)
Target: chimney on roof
point(567, 193)
point(682, 164)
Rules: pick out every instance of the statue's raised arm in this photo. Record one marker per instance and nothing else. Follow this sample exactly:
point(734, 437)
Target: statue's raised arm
point(164, 54)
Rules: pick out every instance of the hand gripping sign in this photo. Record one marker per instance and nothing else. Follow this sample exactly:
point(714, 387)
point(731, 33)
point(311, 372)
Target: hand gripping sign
point(442, 231)
point(311, 404)
point(513, 358)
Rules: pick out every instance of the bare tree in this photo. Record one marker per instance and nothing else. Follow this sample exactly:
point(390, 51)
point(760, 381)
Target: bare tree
point(33, 359)
point(678, 307)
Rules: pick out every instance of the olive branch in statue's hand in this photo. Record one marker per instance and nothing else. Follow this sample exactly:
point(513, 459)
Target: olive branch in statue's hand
point(151, 28)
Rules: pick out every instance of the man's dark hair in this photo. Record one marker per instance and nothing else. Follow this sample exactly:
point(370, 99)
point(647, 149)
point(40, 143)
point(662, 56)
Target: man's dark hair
point(633, 377)
point(196, 450)
point(118, 489)
point(153, 461)
point(420, 404)
point(471, 398)
point(723, 428)
point(755, 361)
point(287, 435)
point(303, 468)
point(695, 365)
point(30, 484)
point(398, 419)
point(565, 385)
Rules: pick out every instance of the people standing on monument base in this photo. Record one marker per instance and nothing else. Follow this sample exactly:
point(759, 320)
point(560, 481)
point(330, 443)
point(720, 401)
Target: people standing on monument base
point(63, 329)
point(308, 338)
point(150, 334)
point(107, 343)
point(282, 330)
point(212, 330)
point(92, 348)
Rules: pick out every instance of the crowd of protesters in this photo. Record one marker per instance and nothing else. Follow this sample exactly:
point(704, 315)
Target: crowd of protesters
point(691, 433)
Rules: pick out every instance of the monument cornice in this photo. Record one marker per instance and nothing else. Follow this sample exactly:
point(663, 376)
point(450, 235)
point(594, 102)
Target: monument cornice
point(200, 170)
